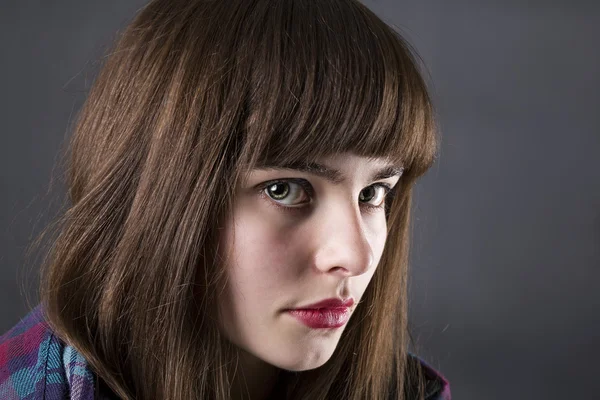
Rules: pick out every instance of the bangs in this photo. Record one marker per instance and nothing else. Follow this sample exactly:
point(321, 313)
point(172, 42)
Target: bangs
point(328, 77)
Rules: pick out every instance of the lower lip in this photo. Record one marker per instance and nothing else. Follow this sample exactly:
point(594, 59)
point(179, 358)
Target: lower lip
point(322, 318)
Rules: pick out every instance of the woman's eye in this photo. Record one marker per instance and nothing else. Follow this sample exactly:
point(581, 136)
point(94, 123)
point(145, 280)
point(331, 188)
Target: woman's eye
point(375, 195)
point(290, 193)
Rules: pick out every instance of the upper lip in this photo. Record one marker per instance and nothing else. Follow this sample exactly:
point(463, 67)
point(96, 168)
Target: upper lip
point(329, 303)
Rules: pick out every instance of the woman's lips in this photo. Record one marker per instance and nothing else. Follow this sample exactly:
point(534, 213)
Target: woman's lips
point(329, 313)
point(322, 317)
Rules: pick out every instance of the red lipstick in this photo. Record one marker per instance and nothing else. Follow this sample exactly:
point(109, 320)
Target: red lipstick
point(329, 313)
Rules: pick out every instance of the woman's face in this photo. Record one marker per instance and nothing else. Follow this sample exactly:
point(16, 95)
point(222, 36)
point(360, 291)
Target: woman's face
point(296, 238)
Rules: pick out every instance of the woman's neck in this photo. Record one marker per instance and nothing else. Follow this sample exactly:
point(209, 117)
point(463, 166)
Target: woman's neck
point(253, 379)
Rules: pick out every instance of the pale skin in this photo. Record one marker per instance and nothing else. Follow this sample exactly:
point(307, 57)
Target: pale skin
point(324, 244)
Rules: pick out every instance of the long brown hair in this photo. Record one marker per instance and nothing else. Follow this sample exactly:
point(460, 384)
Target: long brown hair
point(194, 94)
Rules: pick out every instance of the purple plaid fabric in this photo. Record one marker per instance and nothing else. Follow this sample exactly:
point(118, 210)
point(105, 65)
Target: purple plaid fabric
point(442, 391)
point(35, 364)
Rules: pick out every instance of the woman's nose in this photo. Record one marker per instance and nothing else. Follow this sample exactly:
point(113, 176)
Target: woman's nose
point(343, 247)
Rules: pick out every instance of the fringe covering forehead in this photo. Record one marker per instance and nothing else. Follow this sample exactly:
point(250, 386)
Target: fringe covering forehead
point(333, 79)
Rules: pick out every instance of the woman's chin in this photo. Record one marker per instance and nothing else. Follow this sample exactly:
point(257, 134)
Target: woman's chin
point(302, 361)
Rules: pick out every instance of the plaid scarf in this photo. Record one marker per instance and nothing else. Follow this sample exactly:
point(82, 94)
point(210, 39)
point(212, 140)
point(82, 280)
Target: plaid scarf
point(35, 364)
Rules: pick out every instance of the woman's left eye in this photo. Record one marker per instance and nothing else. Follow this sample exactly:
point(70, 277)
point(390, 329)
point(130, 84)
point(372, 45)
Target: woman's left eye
point(290, 194)
point(377, 191)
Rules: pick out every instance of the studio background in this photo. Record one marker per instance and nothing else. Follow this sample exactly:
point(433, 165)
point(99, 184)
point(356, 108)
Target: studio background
point(506, 249)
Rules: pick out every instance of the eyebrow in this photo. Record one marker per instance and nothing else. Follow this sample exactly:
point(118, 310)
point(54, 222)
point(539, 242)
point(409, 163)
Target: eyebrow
point(334, 175)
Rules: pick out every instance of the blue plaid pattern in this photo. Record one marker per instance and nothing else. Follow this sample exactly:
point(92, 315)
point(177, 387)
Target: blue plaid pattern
point(35, 364)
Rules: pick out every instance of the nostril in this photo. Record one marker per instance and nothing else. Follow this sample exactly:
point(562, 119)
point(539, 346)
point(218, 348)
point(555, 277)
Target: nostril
point(335, 269)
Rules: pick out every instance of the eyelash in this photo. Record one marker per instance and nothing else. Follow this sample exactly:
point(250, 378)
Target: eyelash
point(310, 192)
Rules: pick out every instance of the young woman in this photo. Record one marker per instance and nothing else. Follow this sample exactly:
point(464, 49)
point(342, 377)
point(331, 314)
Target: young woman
point(240, 183)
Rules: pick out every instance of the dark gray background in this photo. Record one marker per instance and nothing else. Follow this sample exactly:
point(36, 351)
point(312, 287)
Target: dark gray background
point(507, 232)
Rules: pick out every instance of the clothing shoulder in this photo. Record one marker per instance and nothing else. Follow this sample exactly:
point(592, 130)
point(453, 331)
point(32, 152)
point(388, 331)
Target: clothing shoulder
point(36, 364)
point(436, 387)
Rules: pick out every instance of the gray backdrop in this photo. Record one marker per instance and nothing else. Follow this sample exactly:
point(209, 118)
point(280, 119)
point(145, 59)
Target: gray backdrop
point(507, 230)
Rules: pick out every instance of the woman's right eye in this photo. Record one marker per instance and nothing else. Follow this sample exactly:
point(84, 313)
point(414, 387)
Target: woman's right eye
point(287, 192)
